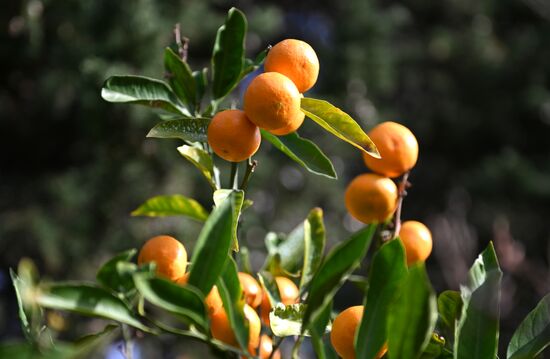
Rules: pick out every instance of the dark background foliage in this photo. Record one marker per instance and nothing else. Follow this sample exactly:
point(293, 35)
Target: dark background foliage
point(471, 79)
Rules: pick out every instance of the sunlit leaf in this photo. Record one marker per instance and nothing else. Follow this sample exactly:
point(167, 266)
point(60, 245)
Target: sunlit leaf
point(228, 54)
point(339, 123)
point(200, 159)
point(142, 91)
point(187, 129)
point(314, 246)
point(238, 200)
point(172, 205)
point(302, 151)
point(87, 300)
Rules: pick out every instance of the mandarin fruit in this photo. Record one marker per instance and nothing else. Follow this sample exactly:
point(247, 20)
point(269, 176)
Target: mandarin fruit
point(213, 300)
point(417, 240)
point(168, 254)
point(371, 198)
point(251, 289)
point(221, 328)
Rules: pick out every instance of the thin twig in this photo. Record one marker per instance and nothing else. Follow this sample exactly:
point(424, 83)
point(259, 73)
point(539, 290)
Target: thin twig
point(234, 175)
point(250, 167)
point(402, 192)
point(182, 45)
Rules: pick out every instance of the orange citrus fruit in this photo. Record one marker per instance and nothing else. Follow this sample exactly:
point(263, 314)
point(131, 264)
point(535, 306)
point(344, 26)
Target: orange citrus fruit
point(417, 240)
point(266, 347)
point(213, 300)
point(221, 329)
point(169, 255)
point(398, 149)
point(251, 289)
point(371, 198)
point(232, 136)
point(272, 102)
point(288, 292)
point(343, 332)
point(296, 60)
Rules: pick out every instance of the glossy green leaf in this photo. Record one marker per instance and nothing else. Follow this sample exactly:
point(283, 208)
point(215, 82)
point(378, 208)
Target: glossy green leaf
point(184, 302)
point(200, 159)
point(172, 205)
point(337, 266)
point(142, 91)
point(187, 129)
point(232, 296)
point(412, 315)
point(449, 306)
point(533, 334)
point(180, 78)
point(87, 300)
point(201, 82)
point(110, 277)
point(386, 275)
point(228, 54)
point(478, 329)
point(302, 151)
point(314, 246)
point(318, 329)
point(238, 200)
point(213, 245)
point(339, 123)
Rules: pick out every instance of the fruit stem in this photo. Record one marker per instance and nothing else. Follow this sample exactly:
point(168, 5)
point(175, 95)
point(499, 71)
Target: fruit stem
point(234, 176)
point(250, 167)
point(402, 192)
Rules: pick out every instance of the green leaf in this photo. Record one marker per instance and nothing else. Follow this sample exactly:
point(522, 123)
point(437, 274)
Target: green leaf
point(232, 296)
point(270, 286)
point(20, 289)
point(449, 306)
point(533, 334)
point(412, 316)
point(314, 246)
point(172, 205)
point(212, 247)
point(201, 81)
point(200, 159)
point(187, 129)
point(252, 65)
point(436, 349)
point(238, 200)
point(285, 254)
point(338, 265)
point(477, 331)
point(142, 91)
point(318, 329)
point(180, 78)
point(110, 277)
point(228, 54)
point(386, 275)
point(302, 151)
point(87, 300)
point(184, 302)
point(339, 123)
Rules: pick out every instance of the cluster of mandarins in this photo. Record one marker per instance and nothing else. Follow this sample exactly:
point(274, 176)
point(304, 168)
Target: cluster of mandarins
point(373, 197)
point(271, 102)
point(170, 258)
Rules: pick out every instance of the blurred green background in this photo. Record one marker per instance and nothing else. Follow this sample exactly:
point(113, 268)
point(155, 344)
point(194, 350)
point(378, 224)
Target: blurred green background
point(471, 79)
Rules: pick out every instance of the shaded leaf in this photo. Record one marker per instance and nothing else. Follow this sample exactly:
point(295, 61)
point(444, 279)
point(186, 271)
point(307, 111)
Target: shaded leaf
point(21, 288)
point(172, 205)
point(338, 265)
point(270, 286)
point(187, 129)
point(449, 306)
point(212, 247)
point(285, 253)
point(87, 300)
point(228, 54)
point(386, 275)
point(318, 328)
point(180, 77)
point(142, 91)
point(200, 159)
point(110, 277)
point(339, 123)
point(302, 151)
point(533, 334)
point(412, 315)
point(231, 293)
point(201, 82)
point(184, 302)
point(238, 200)
point(477, 331)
